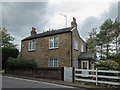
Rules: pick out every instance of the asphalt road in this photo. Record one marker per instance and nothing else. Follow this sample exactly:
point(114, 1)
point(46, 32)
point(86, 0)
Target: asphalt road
point(12, 82)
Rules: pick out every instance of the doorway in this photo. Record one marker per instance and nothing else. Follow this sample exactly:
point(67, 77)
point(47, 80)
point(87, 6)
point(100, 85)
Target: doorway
point(85, 66)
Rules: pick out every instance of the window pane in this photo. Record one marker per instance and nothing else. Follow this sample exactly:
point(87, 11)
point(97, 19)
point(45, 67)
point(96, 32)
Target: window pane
point(55, 63)
point(51, 63)
point(92, 65)
point(33, 47)
point(82, 47)
point(30, 45)
point(84, 65)
point(55, 42)
point(51, 42)
point(76, 44)
point(76, 64)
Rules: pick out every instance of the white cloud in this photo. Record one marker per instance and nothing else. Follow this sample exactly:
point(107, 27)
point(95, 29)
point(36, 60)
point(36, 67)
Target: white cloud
point(18, 18)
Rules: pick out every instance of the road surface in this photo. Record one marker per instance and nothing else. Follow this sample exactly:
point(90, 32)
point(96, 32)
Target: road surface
point(12, 82)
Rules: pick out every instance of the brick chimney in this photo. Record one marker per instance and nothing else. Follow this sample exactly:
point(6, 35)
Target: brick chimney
point(73, 23)
point(33, 32)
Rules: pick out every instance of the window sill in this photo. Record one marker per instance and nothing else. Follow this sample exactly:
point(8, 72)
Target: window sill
point(31, 50)
point(53, 48)
point(76, 49)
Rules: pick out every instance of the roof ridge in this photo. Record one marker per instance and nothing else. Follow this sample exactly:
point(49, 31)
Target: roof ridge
point(53, 32)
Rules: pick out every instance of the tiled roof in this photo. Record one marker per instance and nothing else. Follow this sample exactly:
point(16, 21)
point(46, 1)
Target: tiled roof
point(87, 55)
point(63, 30)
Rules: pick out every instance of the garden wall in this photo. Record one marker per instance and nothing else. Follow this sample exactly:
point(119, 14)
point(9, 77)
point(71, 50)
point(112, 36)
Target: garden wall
point(47, 72)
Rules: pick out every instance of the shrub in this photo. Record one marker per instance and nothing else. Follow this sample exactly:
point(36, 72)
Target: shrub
point(107, 65)
point(20, 63)
point(8, 52)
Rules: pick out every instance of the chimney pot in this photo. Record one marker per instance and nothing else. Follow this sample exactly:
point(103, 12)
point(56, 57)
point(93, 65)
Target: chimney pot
point(73, 23)
point(74, 20)
point(33, 32)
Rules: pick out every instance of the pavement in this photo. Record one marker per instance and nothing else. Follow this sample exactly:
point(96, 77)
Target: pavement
point(15, 81)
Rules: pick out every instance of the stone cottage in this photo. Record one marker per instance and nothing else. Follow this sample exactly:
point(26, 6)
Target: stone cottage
point(58, 48)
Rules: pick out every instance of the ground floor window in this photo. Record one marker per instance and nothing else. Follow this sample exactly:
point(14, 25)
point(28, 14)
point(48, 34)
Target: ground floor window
point(93, 65)
point(53, 63)
point(76, 63)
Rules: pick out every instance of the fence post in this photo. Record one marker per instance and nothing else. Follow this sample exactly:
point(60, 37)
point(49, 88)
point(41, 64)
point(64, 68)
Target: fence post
point(96, 76)
point(62, 70)
point(73, 74)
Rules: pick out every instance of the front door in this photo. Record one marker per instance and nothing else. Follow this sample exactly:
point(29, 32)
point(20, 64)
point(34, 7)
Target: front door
point(85, 65)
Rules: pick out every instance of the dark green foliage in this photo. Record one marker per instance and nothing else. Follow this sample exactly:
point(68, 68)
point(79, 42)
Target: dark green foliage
point(106, 29)
point(20, 63)
point(91, 41)
point(105, 42)
point(8, 52)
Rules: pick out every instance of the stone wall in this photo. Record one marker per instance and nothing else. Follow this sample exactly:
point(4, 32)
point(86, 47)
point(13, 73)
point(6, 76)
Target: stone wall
point(42, 54)
point(75, 52)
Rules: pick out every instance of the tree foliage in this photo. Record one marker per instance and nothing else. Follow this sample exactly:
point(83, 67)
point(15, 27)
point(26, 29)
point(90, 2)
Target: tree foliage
point(105, 42)
point(91, 41)
point(8, 52)
point(106, 29)
point(7, 39)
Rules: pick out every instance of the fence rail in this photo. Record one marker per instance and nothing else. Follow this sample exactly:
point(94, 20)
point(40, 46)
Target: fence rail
point(96, 76)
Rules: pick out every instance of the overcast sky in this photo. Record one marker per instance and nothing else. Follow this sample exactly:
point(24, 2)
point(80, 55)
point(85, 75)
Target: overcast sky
point(20, 17)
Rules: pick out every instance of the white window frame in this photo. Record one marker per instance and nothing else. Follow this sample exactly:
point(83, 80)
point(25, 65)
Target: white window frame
point(85, 62)
point(82, 48)
point(53, 63)
point(92, 63)
point(32, 48)
point(76, 44)
point(53, 43)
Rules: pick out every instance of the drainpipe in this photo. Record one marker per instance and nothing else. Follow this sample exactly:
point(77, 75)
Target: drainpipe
point(71, 50)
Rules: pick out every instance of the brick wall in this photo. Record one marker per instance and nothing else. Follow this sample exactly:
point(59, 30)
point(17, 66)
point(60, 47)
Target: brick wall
point(48, 73)
point(42, 54)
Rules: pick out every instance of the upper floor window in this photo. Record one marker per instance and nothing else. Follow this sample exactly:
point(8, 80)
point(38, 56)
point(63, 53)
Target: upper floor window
point(82, 49)
point(53, 63)
point(76, 44)
point(31, 45)
point(53, 42)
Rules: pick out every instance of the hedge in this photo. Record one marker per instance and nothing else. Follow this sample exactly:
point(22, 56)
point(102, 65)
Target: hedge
point(8, 52)
point(20, 63)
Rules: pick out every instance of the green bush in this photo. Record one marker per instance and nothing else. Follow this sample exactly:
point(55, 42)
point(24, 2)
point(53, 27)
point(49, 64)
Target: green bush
point(107, 64)
point(8, 52)
point(20, 63)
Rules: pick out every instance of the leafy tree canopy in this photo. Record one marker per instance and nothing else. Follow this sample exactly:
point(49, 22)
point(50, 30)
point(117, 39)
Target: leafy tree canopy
point(7, 39)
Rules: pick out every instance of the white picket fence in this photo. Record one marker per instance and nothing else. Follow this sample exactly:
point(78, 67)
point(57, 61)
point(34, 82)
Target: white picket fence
point(77, 73)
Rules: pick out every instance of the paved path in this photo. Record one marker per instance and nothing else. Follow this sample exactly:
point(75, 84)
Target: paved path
point(13, 82)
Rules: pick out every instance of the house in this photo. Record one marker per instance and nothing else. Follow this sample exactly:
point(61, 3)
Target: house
point(58, 48)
